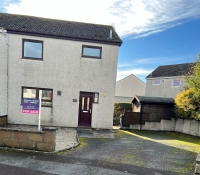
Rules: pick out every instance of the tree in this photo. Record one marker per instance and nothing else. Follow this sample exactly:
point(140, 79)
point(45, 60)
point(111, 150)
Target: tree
point(120, 109)
point(194, 80)
point(188, 101)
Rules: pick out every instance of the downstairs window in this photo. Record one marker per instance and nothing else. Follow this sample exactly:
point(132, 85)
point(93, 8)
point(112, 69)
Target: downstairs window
point(45, 94)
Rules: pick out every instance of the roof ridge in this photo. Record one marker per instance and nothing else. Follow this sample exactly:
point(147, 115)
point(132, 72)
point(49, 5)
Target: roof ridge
point(60, 28)
point(129, 76)
point(139, 79)
point(172, 70)
point(124, 78)
point(14, 14)
point(175, 64)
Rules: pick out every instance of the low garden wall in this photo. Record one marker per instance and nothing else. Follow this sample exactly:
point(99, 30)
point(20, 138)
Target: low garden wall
point(186, 126)
point(25, 139)
point(3, 121)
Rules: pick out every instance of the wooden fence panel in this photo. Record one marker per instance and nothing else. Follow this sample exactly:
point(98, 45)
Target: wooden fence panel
point(134, 118)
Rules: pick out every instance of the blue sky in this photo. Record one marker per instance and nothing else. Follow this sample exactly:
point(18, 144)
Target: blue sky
point(154, 32)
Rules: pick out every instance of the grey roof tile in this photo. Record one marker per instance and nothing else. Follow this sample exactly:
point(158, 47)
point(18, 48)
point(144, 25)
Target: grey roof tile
point(172, 70)
point(61, 28)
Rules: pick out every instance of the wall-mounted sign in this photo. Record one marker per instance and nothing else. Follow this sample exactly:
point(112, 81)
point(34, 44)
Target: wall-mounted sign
point(103, 94)
point(30, 106)
point(74, 100)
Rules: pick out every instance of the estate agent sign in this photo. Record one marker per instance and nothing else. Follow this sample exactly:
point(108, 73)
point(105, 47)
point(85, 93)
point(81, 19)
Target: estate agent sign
point(30, 106)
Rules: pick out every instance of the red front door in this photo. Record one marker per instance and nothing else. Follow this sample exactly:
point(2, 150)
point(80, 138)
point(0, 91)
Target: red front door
point(85, 109)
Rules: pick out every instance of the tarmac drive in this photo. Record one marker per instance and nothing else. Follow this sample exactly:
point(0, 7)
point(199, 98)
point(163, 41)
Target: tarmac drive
point(140, 153)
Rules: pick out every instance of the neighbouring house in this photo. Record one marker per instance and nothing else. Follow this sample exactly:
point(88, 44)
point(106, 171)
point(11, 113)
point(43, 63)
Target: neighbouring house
point(127, 87)
point(167, 81)
point(71, 65)
point(157, 107)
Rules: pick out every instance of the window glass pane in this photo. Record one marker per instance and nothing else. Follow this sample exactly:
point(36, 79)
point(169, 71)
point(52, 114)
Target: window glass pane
point(83, 98)
point(46, 94)
point(88, 103)
point(176, 83)
point(32, 49)
point(29, 93)
point(94, 52)
point(156, 82)
point(96, 98)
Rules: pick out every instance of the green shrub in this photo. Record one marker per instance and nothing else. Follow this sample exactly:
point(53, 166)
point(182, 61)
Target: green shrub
point(187, 102)
point(120, 109)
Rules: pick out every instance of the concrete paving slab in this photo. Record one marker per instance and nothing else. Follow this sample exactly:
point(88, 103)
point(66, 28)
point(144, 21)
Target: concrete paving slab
point(66, 138)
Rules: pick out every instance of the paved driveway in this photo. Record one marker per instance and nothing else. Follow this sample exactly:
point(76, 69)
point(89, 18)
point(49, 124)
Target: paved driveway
point(135, 152)
point(143, 152)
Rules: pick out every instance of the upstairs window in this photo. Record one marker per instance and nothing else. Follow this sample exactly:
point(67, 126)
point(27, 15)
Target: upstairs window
point(91, 51)
point(45, 94)
point(175, 83)
point(32, 49)
point(156, 82)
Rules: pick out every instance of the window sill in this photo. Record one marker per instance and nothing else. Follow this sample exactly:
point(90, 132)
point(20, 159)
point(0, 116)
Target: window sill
point(91, 57)
point(29, 58)
point(47, 106)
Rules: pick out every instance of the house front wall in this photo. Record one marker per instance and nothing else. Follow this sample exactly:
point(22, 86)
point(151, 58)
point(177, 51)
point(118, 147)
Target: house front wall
point(165, 89)
point(62, 69)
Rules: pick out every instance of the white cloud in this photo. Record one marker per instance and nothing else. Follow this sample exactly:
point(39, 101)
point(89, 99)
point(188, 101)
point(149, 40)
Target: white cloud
point(157, 61)
point(132, 18)
point(143, 66)
point(146, 61)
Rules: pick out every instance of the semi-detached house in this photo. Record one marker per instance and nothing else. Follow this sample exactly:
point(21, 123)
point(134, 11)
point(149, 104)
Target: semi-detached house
point(71, 65)
point(167, 80)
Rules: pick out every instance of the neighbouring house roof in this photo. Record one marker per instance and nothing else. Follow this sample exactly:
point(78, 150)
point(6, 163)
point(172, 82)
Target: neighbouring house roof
point(30, 25)
point(152, 100)
point(172, 70)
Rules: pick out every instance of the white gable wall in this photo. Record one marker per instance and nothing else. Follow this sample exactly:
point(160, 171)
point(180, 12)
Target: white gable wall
point(62, 69)
point(129, 87)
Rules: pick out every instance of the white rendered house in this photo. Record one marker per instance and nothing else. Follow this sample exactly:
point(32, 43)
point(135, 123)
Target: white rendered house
point(71, 65)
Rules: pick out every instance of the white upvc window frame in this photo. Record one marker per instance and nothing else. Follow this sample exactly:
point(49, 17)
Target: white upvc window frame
point(173, 83)
point(156, 83)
